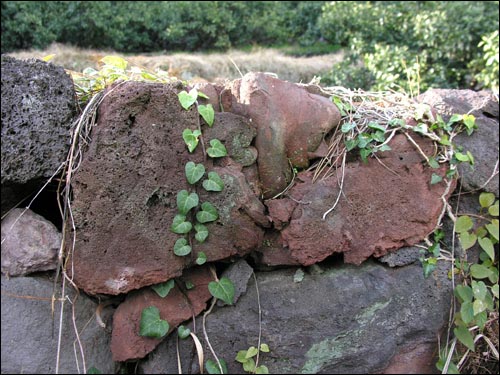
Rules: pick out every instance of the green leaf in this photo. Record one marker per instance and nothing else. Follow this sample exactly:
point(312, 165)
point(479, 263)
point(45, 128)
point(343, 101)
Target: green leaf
point(478, 306)
point(494, 290)
point(481, 319)
point(208, 213)
point(93, 370)
point(262, 370)
point(213, 183)
point(461, 157)
point(180, 225)
point(493, 210)
point(189, 285)
point(350, 144)
point(213, 368)
point(347, 127)
point(487, 246)
point(455, 118)
point(429, 266)
point(217, 150)
point(191, 138)
point(151, 325)
point(465, 337)
point(435, 178)
point(463, 224)
point(493, 228)
point(203, 95)
point(420, 128)
point(223, 290)
point(164, 288)
point(467, 240)
point(445, 140)
point(181, 247)
point(478, 271)
point(251, 352)
point(376, 126)
point(471, 158)
point(186, 201)
point(241, 357)
point(183, 332)
point(207, 112)
point(365, 152)
point(470, 123)
point(187, 100)
point(364, 140)
point(201, 232)
point(249, 365)
point(479, 289)
point(433, 163)
point(264, 348)
point(115, 61)
point(379, 137)
point(201, 259)
point(435, 249)
point(298, 276)
point(194, 172)
point(384, 148)
point(464, 292)
point(467, 312)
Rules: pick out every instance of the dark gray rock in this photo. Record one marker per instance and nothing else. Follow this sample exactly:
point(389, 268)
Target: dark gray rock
point(29, 332)
point(483, 143)
point(38, 107)
point(346, 320)
point(239, 273)
point(402, 257)
point(30, 243)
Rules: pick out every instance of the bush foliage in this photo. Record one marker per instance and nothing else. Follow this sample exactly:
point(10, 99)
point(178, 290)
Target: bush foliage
point(411, 45)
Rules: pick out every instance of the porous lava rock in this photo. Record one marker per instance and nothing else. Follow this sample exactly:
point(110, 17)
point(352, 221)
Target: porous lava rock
point(385, 204)
point(126, 187)
point(179, 305)
point(291, 124)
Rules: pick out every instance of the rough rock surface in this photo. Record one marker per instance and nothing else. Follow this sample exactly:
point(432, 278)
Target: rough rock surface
point(483, 143)
point(178, 306)
point(239, 273)
point(29, 243)
point(402, 257)
point(328, 323)
point(29, 333)
point(379, 211)
point(126, 188)
point(38, 107)
point(291, 122)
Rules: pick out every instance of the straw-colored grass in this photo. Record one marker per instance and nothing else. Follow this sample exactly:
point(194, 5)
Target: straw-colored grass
point(201, 66)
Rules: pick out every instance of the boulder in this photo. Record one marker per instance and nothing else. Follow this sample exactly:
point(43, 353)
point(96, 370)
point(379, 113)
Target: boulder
point(345, 320)
point(38, 108)
point(30, 243)
point(291, 123)
point(30, 329)
point(386, 204)
point(483, 143)
point(126, 187)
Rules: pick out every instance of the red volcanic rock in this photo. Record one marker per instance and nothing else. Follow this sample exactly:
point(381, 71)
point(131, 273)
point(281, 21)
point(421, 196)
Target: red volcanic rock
point(176, 307)
point(291, 123)
point(383, 207)
point(126, 187)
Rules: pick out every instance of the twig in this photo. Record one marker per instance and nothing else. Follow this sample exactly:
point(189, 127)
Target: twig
point(341, 187)
point(260, 320)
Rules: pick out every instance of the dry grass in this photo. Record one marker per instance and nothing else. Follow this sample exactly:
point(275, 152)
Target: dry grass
point(201, 66)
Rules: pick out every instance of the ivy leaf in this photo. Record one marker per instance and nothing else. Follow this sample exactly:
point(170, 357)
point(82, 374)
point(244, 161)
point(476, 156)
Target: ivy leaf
point(187, 99)
point(262, 370)
point(467, 312)
point(93, 370)
point(217, 150)
point(455, 118)
point(151, 325)
point(213, 183)
point(478, 271)
point(241, 357)
point(213, 368)
point(493, 210)
point(164, 288)
point(478, 289)
point(264, 348)
point(347, 127)
point(470, 123)
point(208, 213)
point(429, 266)
point(376, 126)
point(350, 144)
point(191, 138)
point(486, 199)
point(461, 157)
point(186, 201)
point(487, 246)
point(435, 178)
point(378, 136)
point(183, 332)
point(223, 290)
point(194, 172)
point(201, 232)
point(464, 292)
point(115, 61)
point(251, 352)
point(207, 112)
point(180, 225)
point(493, 229)
point(478, 306)
point(203, 95)
point(494, 290)
point(181, 247)
point(467, 240)
point(201, 259)
point(465, 337)
point(433, 163)
point(249, 365)
point(463, 224)
point(365, 152)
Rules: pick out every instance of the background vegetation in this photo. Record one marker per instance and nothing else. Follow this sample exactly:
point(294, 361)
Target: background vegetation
point(411, 45)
